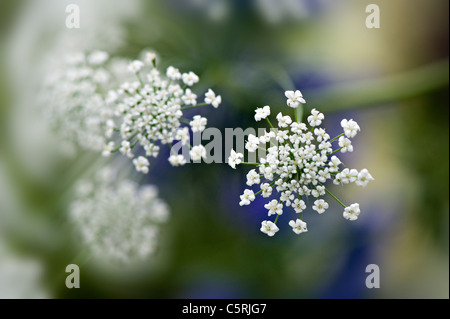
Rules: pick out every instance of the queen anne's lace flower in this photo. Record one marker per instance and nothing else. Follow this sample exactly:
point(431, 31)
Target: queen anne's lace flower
point(118, 221)
point(297, 164)
point(75, 103)
point(148, 111)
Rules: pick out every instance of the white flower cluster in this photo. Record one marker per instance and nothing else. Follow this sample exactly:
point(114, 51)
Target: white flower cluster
point(118, 220)
point(149, 112)
point(297, 164)
point(73, 100)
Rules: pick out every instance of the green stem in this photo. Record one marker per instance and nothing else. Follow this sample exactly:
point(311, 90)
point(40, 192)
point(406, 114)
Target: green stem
point(342, 134)
point(193, 106)
point(299, 113)
point(184, 121)
point(336, 151)
point(139, 78)
point(262, 148)
point(334, 197)
point(134, 143)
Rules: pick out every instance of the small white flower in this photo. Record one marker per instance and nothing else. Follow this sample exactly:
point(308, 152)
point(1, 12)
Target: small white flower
point(320, 206)
point(151, 150)
point(321, 134)
point(141, 164)
point(269, 228)
point(338, 179)
point(297, 128)
point(235, 158)
point(266, 137)
point(298, 226)
point(177, 160)
point(198, 124)
point(252, 178)
point(266, 190)
point(125, 149)
point(274, 207)
point(299, 205)
point(348, 176)
point(150, 58)
point(294, 98)
point(262, 113)
point(108, 149)
point(352, 212)
point(287, 197)
point(346, 144)
point(153, 76)
point(334, 163)
point(135, 66)
point(173, 73)
point(319, 191)
point(283, 121)
point(190, 78)
point(183, 135)
point(252, 143)
point(350, 127)
point(315, 119)
point(189, 98)
point(198, 152)
point(212, 98)
point(364, 178)
point(247, 197)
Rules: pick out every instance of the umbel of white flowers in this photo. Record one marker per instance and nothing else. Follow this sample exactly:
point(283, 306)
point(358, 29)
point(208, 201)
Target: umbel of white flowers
point(73, 100)
point(149, 112)
point(298, 163)
point(118, 220)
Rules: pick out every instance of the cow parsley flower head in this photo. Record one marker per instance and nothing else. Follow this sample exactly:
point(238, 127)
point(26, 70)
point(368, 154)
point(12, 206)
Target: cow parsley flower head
point(148, 112)
point(117, 219)
point(295, 163)
point(74, 100)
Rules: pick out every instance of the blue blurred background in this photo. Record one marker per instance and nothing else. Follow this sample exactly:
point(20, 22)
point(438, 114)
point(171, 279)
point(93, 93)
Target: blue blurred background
point(393, 81)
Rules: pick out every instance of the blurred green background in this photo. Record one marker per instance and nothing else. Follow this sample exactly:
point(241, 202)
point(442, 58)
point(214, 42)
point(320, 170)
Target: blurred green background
point(393, 81)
